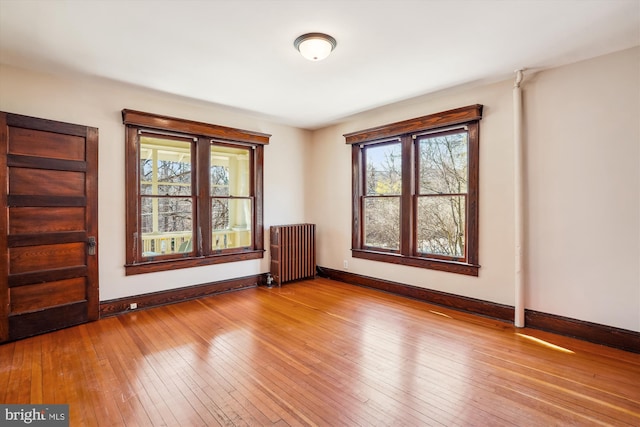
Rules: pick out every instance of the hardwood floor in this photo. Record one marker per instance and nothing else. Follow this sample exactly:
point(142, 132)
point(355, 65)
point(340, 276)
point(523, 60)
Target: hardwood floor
point(319, 352)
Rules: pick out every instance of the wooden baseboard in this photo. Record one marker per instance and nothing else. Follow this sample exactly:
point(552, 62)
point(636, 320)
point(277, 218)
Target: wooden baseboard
point(593, 332)
point(599, 334)
point(154, 299)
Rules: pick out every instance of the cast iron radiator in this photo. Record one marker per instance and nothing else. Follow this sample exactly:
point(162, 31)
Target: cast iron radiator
point(293, 252)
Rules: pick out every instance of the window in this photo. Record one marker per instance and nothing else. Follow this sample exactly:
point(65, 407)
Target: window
point(415, 191)
point(193, 193)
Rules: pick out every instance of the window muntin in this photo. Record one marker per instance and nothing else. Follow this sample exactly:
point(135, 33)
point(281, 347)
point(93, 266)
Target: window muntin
point(437, 206)
point(194, 193)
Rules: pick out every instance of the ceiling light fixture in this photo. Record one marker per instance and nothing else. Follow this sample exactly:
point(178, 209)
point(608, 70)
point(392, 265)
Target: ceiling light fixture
point(315, 46)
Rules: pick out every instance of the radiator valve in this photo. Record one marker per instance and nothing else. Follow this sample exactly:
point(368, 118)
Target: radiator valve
point(269, 280)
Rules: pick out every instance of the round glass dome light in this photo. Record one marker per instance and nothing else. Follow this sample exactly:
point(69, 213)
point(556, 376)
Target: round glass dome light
point(315, 46)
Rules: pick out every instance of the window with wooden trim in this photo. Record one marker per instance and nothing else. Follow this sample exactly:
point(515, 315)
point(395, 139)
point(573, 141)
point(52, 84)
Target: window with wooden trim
point(415, 191)
point(193, 193)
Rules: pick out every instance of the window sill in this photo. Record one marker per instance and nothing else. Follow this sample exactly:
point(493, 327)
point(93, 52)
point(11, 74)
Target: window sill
point(174, 264)
point(428, 263)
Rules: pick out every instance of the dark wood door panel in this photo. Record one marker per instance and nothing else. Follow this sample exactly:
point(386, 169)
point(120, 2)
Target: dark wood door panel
point(45, 295)
point(30, 142)
point(25, 181)
point(27, 259)
point(38, 322)
point(49, 203)
point(37, 220)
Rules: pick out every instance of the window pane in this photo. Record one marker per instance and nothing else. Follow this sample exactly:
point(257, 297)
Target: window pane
point(165, 167)
point(230, 171)
point(441, 225)
point(167, 225)
point(231, 223)
point(382, 222)
point(383, 169)
point(443, 164)
point(146, 189)
point(219, 180)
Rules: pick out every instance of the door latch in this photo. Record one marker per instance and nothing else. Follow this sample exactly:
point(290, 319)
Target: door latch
point(91, 246)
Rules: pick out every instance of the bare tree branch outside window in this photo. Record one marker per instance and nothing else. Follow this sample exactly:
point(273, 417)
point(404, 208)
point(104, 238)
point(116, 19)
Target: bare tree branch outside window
point(220, 207)
point(166, 193)
point(383, 190)
point(443, 177)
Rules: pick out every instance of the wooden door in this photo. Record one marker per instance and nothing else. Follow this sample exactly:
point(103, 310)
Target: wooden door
point(49, 209)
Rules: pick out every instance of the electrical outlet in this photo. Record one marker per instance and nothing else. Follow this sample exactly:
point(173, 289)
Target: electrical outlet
point(133, 306)
point(346, 263)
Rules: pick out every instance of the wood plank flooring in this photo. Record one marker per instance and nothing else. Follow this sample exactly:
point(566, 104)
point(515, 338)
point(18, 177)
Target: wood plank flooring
point(323, 353)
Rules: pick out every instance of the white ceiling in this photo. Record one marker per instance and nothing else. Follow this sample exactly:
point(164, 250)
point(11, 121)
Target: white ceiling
point(240, 53)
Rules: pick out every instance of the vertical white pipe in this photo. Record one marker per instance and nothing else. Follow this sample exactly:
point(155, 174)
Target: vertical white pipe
point(518, 201)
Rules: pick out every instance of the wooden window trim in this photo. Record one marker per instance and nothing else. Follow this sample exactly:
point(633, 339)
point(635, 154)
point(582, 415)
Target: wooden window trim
point(172, 124)
point(468, 116)
point(420, 124)
point(135, 121)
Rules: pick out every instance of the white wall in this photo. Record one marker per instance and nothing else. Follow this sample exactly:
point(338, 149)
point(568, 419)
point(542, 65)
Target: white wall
point(332, 184)
point(583, 130)
point(583, 170)
point(583, 181)
point(98, 103)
